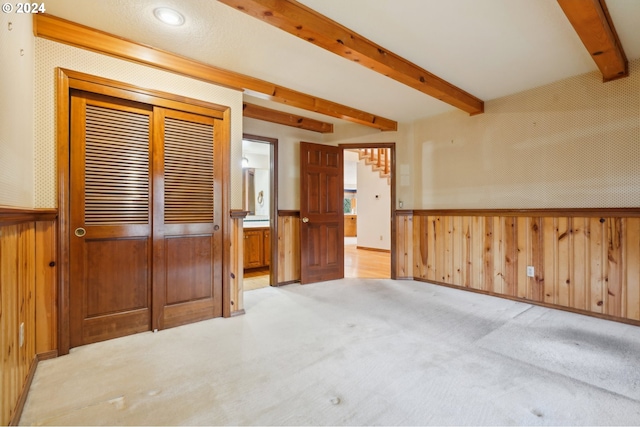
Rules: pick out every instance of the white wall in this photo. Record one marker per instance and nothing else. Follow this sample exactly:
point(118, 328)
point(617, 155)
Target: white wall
point(350, 170)
point(16, 111)
point(374, 213)
point(261, 182)
point(257, 161)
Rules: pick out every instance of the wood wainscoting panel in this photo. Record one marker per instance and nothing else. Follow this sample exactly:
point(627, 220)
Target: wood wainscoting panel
point(236, 264)
point(488, 255)
point(447, 244)
point(496, 285)
point(419, 244)
point(615, 276)
point(536, 257)
point(563, 259)
point(550, 245)
point(17, 314)
point(46, 293)
point(475, 255)
point(404, 246)
point(632, 271)
point(510, 256)
point(583, 260)
point(596, 250)
point(288, 247)
point(27, 301)
point(453, 244)
point(439, 249)
point(578, 296)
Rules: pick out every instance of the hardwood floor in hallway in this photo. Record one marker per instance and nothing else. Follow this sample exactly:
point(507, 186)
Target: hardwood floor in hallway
point(365, 264)
point(256, 278)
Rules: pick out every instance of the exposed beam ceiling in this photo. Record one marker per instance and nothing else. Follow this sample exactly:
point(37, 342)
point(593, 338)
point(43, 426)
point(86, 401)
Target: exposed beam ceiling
point(274, 116)
point(591, 20)
point(63, 31)
point(309, 25)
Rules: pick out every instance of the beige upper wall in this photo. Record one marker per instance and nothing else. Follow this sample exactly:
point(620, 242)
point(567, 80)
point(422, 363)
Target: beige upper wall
point(16, 110)
point(571, 144)
point(50, 55)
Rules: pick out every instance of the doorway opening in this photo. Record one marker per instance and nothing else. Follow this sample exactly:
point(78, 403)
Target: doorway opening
point(369, 194)
point(259, 195)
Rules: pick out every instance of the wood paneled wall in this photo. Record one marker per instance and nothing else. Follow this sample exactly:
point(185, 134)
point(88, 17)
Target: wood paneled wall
point(46, 289)
point(17, 275)
point(404, 245)
point(236, 263)
point(27, 303)
point(584, 260)
point(288, 247)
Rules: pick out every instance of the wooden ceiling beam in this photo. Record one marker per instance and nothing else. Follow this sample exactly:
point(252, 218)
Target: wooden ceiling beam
point(274, 116)
point(309, 25)
point(71, 33)
point(592, 22)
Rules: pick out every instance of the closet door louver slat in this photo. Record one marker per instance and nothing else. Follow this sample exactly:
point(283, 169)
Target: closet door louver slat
point(116, 167)
point(188, 172)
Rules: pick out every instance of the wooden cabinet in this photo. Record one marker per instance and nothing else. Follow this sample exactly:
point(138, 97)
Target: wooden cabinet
point(257, 247)
point(350, 225)
point(253, 248)
point(266, 247)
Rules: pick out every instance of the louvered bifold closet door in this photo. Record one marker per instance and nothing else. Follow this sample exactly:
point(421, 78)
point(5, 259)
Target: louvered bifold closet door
point(110, 207)
point(187, 218)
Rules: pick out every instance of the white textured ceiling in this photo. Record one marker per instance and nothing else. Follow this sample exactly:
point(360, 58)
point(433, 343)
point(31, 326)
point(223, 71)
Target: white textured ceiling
point(489, 48)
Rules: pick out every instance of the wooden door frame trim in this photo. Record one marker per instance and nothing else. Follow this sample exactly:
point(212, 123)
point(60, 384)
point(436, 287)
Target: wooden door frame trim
point(392, 147)
point(273, 203)
point(66, 80)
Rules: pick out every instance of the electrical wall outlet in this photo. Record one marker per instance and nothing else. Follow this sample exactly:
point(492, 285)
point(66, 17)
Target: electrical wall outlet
point(531, 271)
point(380, 237)
point(21, 334)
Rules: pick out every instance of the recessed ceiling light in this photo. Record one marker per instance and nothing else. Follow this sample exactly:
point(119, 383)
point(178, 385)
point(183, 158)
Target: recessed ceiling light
point(168, 16)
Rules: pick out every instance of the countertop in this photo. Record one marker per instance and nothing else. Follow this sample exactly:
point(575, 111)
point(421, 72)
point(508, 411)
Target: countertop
point(256, 222)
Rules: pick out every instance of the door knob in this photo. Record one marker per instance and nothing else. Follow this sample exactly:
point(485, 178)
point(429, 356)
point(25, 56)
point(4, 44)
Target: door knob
point(80, 232)
point(305, 220)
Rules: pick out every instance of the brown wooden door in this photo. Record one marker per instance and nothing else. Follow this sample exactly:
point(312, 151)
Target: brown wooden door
point(134, 166)
point(187, 280)
point(321, 213)
point(110, 219)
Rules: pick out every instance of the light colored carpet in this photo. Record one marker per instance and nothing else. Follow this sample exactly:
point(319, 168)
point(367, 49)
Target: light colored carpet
point(356, 352)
